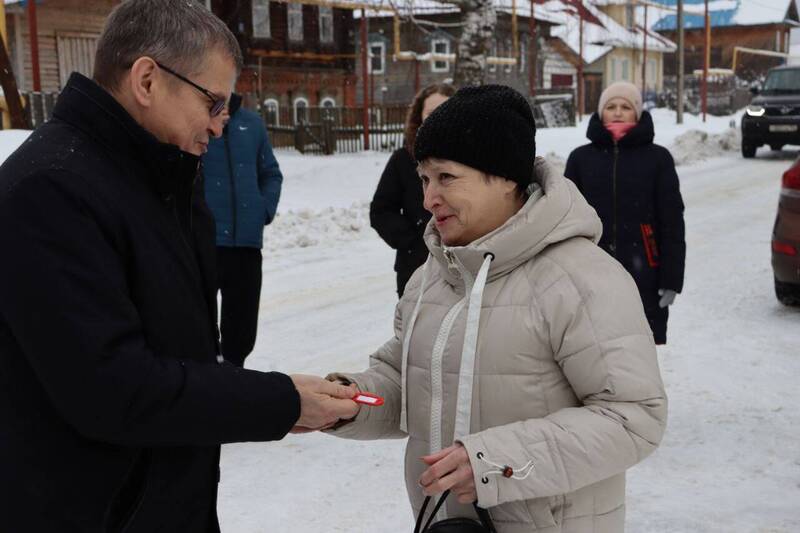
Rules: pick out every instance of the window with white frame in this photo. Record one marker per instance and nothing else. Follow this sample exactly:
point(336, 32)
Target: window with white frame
point(328, 102)
point(300, 110)
point(508, 52)
point(440, 46)
point(625, 64)
point(325, 24)
point(271, 113)
point(261, 26)
point(523, 53)
point(614, 67)
point(295, 15)
point(377, 57)
point(630, 15)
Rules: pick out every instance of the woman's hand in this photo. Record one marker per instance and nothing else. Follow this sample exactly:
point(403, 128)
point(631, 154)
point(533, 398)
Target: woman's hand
point(449, 469)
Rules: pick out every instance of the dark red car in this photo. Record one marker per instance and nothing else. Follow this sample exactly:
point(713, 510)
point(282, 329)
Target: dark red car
point(786, 239)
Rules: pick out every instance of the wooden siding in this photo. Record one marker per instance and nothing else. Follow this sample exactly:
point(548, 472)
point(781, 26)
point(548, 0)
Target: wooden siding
point(56, 17)
point(774, 37)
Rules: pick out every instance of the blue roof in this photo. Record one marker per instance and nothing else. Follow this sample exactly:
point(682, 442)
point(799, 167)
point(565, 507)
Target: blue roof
point(724, 13)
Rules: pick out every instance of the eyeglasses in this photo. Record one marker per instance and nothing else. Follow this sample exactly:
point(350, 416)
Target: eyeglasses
point(217, 103)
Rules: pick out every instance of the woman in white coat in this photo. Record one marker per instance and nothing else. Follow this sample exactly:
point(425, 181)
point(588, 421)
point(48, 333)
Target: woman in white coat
point(522, 369)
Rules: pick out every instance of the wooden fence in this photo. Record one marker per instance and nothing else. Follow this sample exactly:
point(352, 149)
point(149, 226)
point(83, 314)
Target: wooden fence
point(326, 130)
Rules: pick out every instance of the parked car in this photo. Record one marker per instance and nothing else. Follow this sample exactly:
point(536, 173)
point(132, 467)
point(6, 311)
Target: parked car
point(773, 116)
point(786, 239)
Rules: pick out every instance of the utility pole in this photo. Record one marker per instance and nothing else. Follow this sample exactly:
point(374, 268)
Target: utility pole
point(644, 55)
point(365, 77)
point(706, 60)
point(680, 63)
point(34, 36)
point(532, 59)
point(580, 61)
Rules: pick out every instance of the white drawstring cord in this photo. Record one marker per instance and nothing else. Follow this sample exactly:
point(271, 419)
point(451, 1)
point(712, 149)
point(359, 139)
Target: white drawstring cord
point(406, 345)
point(505, 470)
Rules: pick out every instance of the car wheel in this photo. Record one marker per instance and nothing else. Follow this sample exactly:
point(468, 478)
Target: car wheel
point(775, 147)
point(787, 293)
point(748, 150)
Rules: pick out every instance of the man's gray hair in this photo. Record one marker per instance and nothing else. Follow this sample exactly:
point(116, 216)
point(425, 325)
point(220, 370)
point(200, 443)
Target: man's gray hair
point(179, 34)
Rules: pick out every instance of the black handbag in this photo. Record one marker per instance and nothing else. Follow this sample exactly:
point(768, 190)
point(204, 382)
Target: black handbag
point(454, 525)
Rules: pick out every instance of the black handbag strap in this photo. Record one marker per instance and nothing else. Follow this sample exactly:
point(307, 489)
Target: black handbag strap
point(483, 514)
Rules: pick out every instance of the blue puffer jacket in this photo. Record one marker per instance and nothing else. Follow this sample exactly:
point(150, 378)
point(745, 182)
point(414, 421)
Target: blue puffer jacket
point(242, 180)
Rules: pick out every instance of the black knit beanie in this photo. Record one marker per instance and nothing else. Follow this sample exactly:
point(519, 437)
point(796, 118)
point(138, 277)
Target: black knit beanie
point(487, 127)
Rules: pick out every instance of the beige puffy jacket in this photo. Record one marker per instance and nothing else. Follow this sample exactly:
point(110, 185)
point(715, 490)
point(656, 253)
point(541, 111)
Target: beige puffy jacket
point(531, 348)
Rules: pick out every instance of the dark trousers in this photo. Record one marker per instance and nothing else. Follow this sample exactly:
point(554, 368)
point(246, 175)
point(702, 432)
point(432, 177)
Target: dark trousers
point(239, 282)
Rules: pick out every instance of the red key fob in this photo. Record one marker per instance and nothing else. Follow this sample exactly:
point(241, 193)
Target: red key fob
point(367, 398)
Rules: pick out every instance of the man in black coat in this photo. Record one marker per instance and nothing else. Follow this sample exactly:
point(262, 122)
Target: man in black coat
point(114, 398)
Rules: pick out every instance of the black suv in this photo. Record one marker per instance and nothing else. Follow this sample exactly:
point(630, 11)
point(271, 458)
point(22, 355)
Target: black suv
point(773, 116)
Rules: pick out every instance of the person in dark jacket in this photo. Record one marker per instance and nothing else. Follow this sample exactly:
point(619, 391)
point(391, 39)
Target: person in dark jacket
point(632, 184)
point(242, 188)
point(396, 210)
point(113, 402)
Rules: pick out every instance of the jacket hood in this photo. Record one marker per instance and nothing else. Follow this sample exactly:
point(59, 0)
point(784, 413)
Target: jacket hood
point(642, 133)
point(555, 212)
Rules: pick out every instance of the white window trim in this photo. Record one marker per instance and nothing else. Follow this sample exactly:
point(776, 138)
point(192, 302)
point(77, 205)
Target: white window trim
point(382, 46)
point(295, 107)
point(296, 8)
point(268, 33)
point(434, 42)
point(328, 14)
point(326, 100)
point(269, 102)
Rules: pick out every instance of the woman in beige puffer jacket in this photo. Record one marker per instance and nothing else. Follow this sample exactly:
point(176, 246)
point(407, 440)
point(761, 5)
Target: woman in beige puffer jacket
point(530, 347)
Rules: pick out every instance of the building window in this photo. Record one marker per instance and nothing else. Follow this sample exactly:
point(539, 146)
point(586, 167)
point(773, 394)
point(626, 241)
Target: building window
point(325, 24)
point(261, 28)
point(300, 109)
point(614, 69)
point(509, 52)
point(625, 63)
point(440, 46)
point(377, 58)
point(295, 14)
point(271, 113)
point(328, 102)
point(560, 80)
point(523, 53)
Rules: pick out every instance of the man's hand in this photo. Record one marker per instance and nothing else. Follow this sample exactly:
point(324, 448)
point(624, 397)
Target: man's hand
point(449, 469)
point(322, 403)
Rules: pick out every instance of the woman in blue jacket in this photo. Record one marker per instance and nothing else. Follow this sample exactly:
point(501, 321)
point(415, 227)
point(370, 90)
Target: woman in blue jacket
point(632, 184)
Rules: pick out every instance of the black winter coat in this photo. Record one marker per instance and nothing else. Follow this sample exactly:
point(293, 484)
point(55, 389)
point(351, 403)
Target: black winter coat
point(112, 403)
point(635, 190)
point(397, 214)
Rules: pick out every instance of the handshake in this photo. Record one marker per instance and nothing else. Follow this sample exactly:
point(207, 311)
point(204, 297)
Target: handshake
point(324, 403)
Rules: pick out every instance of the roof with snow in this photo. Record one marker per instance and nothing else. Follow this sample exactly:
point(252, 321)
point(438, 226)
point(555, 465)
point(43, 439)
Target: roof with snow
point(601, 33)
point(726, 13)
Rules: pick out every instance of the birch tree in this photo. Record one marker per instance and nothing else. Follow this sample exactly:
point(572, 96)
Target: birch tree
point(478, 18)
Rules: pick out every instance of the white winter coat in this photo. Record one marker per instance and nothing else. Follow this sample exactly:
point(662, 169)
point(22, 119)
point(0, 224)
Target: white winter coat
point(558, 371)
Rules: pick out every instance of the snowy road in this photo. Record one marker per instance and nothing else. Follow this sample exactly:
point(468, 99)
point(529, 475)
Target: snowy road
point(730, 460)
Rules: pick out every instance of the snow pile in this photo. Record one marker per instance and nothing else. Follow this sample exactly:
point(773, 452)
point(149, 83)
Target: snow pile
point(696, 145)
point(302, 228)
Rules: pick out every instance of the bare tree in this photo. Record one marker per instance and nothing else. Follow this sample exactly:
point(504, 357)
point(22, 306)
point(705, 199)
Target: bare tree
point(478, 18)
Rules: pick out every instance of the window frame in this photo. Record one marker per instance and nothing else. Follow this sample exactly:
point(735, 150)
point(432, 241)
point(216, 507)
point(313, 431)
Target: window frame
point(270, 102)
point(295, 107)
point(382, 46)
point(325, 12)
point(294, 12)
point(260, 5)
point(434, 42)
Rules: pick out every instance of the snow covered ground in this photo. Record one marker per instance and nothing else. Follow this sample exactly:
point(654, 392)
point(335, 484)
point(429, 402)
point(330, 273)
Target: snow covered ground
point(730, 460)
